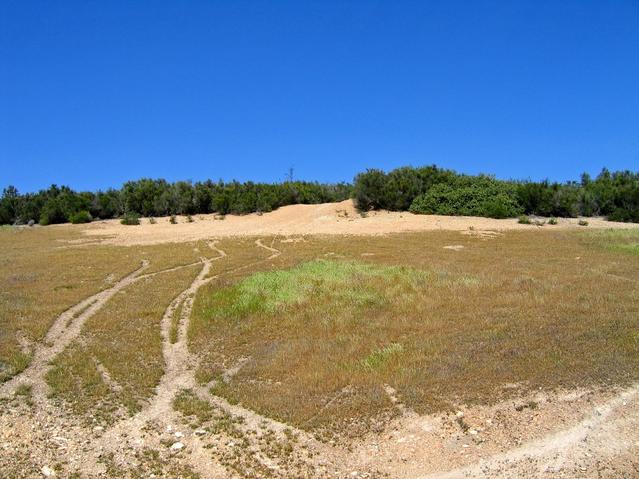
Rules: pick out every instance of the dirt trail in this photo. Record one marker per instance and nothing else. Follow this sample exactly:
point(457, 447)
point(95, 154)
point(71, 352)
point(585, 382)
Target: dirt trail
point(64, 330)
point(275, 252)
point(179, 375)
point(558, 451)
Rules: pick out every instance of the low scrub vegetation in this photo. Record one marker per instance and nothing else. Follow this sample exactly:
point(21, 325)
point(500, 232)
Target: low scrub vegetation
point(425, 190)
point(148, 197)
point(131, 219)
point(431, 190)
point(81, 217)
point(484, 197)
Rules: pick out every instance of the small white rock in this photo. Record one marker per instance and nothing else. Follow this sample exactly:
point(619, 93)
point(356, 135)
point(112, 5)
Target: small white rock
point(178, 434)
point(176, 446)
point(473, 432)
point(199, 432)
point(47, 471)
point(459, 414)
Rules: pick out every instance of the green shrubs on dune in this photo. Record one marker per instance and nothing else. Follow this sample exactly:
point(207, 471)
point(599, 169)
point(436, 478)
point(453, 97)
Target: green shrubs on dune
point(130, 218)
point(432, 190)
point(483, 198)
point(424, 190)
point(81, 217)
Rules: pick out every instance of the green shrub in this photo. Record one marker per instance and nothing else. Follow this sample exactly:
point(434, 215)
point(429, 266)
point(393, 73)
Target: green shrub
point(480, 197)
point(130, 219)
point(523, 220)
point(173, 220)
point(552, 221)
point(81, 217)
point(189, 218)
point(52, 213)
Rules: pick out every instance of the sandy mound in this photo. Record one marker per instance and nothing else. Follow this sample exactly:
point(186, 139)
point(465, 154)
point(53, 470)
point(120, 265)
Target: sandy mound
point(327, 218)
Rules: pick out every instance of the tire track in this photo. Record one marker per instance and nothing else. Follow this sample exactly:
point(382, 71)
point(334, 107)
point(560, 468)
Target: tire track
point(544, 448)
point(179, 375)
point(64, 330)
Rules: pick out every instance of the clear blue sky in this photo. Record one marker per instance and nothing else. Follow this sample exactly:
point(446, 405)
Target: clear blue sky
point(93, 93)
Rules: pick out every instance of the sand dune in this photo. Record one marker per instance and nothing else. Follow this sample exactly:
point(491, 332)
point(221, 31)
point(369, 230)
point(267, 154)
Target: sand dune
point(322, 219)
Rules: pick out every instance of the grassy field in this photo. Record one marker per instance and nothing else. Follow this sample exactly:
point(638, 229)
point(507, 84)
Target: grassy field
point(314, 342)
point(316, 335)
point(44, 271)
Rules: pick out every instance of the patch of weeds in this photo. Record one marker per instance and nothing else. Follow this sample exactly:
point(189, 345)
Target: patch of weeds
point(15, 363)
point(131, 219)
point(152, 221)
point(189, 219)
point(582, 223)
point(175, 323)
point(379, 357)
point(553, 221)
point(523, 220)
point(173, 220)
point(190, 405)
point(219, 216)
point(528, 405)
point(623, 240)
point(461, 422)
point(152, 464)
point(24, 391)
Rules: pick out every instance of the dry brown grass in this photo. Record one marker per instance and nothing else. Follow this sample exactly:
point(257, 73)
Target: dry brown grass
point(542, 308)
point(539, 309)
point(44, 271)
point(40, 277)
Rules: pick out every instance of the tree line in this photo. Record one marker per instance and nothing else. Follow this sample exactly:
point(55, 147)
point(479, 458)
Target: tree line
point(157, 197)
point(433, 190)
point(423, 190)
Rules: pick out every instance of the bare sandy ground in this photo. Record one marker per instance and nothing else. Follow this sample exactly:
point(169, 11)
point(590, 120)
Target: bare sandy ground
point(323, 219)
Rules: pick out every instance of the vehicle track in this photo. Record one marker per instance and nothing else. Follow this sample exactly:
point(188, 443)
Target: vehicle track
point(538, 455)
point(64, 330)
point(179, 375)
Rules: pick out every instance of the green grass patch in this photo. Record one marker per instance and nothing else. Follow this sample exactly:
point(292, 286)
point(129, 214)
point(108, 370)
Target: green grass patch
point(346, 282)
point(624, 241)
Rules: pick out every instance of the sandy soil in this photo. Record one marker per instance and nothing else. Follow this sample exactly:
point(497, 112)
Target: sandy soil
point(328, 218)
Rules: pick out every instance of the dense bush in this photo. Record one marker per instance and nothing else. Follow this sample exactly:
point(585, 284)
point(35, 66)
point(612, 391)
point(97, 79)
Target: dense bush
point(161, 198)
point(422, 190)
point(431, 190)
point(81, 217)
point(130, 218)
point(484, 197)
